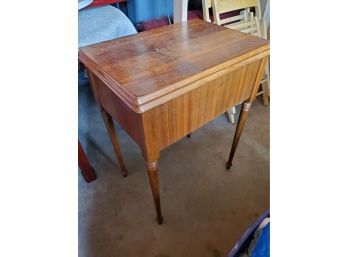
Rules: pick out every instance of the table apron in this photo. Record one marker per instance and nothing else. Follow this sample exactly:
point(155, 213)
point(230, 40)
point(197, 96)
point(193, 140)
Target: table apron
point(165, 124)
point(169, 122)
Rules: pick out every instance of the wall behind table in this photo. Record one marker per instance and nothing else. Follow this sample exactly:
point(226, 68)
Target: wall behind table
point(144, 10)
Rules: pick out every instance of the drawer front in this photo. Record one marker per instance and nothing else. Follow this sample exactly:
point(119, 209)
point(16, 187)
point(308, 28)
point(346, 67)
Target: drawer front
point(174, 119)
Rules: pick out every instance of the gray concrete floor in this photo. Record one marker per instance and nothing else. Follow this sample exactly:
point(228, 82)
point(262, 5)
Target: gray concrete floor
point(205, 207)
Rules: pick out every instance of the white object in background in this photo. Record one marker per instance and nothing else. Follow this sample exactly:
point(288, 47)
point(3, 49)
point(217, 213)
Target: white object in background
point(84, 3)
point(180, 10)
point(230, 113)
point(266, 19)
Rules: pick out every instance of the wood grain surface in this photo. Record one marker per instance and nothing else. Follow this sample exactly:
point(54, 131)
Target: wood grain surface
point(150, 65)
point(163, 84)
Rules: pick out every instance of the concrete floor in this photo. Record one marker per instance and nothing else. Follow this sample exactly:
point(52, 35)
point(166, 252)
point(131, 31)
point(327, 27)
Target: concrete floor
point(205, 207)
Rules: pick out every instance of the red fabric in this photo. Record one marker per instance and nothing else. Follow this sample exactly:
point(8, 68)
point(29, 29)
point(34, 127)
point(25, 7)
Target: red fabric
point(159, 22)
point(195, 14)
point(104, 2)
point(152, 24)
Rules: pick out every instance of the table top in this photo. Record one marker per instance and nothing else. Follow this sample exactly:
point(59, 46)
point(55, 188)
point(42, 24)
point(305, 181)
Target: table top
point(152, 64)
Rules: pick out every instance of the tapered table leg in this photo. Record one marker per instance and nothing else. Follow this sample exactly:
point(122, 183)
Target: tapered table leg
point(113, 136)
point(86, 169)
point(265, 87)
point(152, 170)
point(241, 122)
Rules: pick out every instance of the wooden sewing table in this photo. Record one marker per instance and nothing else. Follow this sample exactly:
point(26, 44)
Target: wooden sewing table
point(162, 84)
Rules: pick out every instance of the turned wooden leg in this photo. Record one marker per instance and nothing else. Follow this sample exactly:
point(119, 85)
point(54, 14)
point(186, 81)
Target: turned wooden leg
point(241, 121)
point(113, 136)
point(265, 93)
point(265, 87)
point(86, 169)
point(152, 171)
